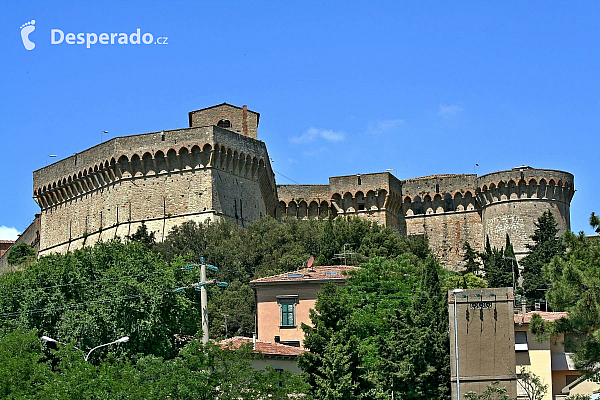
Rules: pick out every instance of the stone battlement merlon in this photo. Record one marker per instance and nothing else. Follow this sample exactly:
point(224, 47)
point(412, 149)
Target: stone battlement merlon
point(526, 174)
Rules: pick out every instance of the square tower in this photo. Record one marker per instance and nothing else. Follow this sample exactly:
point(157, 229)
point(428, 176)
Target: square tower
point(226, 116)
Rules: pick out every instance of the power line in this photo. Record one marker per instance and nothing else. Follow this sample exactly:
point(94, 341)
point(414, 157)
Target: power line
point(288, 178)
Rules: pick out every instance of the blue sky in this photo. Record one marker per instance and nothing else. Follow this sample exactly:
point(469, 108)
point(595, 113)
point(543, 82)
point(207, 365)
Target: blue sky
point(342, 87)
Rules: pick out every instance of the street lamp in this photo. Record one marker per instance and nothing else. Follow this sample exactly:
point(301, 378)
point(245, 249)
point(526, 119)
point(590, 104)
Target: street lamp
point(121, 340)
point(390, 170)
point(103, 132)
point(455, 292)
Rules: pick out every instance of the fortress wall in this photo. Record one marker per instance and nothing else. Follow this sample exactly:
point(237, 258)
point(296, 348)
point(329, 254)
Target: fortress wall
point(447, 233)
point(155, 199)
point(193, 173)
point(364, 182)
point(517, 219)
point(438, 184)
point(287, 193)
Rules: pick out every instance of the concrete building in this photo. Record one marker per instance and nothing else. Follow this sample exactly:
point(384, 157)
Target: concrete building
point(283, 302)
point(495, 344)
point(486, 340)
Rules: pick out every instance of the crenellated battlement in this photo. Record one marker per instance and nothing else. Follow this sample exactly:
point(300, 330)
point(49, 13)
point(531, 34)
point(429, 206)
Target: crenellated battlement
point(525, 183)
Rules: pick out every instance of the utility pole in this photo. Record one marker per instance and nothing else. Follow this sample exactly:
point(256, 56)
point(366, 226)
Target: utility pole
point(201, 287)
point(203, 301)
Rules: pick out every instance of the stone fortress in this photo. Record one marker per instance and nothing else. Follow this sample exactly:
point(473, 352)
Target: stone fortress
point(217, 168)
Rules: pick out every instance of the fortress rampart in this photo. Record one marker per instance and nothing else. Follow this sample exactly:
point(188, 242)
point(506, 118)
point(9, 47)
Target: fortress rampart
point(512, 201)
point(449, 209)
point(216, 168)
point(161, 179)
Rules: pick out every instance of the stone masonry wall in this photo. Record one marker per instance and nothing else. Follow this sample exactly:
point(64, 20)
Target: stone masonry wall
point(447, 233)
point(512, 201)
point(164, 180)
point(243, 121)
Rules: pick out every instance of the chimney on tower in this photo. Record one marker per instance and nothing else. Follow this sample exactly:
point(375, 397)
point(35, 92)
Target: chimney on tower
point(245, 120)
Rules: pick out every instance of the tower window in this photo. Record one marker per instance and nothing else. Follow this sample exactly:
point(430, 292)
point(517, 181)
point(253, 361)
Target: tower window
point(224, 123)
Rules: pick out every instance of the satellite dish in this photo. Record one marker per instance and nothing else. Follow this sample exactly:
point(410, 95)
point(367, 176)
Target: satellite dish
point(310, 262)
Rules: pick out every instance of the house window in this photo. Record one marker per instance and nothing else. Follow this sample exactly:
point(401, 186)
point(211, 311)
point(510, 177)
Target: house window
point(521, 341)
point(288, 308)
point(224, 123)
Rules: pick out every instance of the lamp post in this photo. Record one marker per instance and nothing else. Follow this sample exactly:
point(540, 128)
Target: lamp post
point(101, 133)
point(455, 292)
point(390, 170)
point(86, 357)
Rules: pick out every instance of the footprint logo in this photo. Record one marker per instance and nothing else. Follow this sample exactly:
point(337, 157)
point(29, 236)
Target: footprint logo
point(26, 29)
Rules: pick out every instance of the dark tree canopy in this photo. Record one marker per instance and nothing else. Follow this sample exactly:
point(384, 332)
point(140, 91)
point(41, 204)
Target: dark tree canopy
point(385, 331)
point(20, 253)
point(500, 265)
point(546, 245)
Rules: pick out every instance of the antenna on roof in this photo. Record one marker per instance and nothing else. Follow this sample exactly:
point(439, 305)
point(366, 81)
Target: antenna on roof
point(310, 263)
point(345, 254)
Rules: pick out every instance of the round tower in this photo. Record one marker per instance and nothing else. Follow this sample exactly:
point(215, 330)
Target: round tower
point(512, 201)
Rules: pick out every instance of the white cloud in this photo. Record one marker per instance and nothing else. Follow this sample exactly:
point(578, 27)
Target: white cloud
point(383, 126)
point(313, 134)
point(7, 233)
point(446, 111)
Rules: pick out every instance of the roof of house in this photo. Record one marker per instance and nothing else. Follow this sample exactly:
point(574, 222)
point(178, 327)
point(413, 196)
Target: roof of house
point(313, 274)
point(7, 241)
point(266, 348)
point(546, 316)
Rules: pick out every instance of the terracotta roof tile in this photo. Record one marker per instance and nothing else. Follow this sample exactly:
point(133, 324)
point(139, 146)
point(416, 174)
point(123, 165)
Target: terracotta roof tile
point(547, 316)
point(266, 348)
point(335, 272)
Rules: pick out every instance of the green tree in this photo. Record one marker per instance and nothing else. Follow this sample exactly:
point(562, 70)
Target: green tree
point(492, 392)
point(394, 314)
point(472, 266)
point(500, 265)
point(20, 253)
point(23, 369)
point(546, 245)
point(98, 294)
point(466, 281)
point(575, 281)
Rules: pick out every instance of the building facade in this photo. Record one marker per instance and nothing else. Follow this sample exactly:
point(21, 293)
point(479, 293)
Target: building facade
point(495, 344)
point(284, 301)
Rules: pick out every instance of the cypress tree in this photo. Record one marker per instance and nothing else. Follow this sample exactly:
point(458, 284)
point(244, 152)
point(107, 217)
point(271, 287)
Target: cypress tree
point(546, 245)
